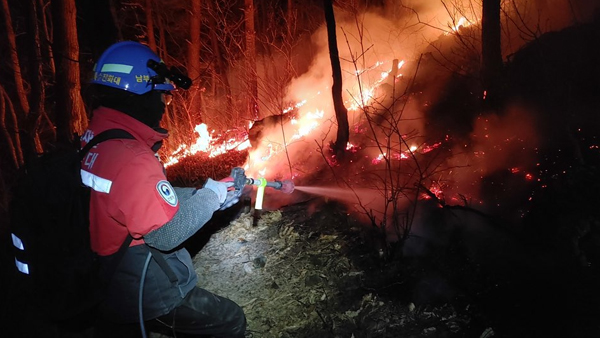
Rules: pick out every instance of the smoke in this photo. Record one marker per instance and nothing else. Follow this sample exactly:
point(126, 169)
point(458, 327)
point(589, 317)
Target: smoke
point(368, 44)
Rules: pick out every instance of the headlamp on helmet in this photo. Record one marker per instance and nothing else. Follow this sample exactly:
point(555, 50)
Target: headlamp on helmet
point(134, 67)
point(163, 73)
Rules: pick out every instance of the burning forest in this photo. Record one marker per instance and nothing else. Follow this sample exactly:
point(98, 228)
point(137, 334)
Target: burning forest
point(463, 202)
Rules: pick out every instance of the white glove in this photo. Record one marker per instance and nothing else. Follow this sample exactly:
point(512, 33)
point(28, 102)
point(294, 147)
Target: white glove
point(233, 196)
point(219, 188)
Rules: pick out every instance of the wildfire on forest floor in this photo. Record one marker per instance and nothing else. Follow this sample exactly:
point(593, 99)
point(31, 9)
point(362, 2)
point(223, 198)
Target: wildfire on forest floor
point(491, 276)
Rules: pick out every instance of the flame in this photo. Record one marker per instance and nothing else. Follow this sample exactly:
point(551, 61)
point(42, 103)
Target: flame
point(307, 123)
point(360, 97)
point(422, 149)
point(462, 23)
point(362, 94)
point(378, 159)
point(205, 143)
point(202, 142)
point(437, 191)
point(303, 125)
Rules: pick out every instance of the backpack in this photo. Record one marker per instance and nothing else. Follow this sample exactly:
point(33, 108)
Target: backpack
point(49, 228)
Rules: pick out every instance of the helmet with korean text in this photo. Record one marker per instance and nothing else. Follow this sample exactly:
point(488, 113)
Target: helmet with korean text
point(125, 65)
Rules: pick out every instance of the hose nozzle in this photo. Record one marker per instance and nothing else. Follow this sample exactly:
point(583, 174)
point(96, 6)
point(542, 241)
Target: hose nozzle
point(240, 179)
point(286, 186)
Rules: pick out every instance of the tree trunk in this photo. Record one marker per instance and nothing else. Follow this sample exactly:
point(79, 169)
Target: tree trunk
point(341, 113)
point(70, 111)
point(115, 18)
point(8, 136)
point(14, 58)
point(252, 101)
point(150, 25)
point(49, 72)
point(491, 51)
point(220, 69)
point(13, 128)
point(37, 94)
point(162, 41)
point(193, 61)
point(28, 138)
point(46, 37)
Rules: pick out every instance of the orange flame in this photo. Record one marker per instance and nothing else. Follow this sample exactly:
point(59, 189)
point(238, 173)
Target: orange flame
point(207, 144)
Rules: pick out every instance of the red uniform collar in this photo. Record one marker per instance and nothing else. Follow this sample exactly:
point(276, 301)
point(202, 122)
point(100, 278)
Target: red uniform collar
point(104, 118)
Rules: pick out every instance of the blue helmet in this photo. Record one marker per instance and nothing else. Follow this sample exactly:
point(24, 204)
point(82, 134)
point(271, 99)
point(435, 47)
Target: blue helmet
point(130, 66)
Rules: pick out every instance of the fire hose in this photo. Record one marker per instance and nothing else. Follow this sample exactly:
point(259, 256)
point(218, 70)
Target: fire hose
point(240, 181)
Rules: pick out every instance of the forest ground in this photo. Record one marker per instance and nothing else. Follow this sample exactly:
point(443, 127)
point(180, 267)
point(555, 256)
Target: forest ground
point(310, 270)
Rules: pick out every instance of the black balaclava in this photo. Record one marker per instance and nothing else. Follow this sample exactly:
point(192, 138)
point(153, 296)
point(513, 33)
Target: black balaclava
point(147, 108)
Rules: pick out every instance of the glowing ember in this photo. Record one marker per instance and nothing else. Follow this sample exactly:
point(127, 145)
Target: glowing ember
point(437, 191)
point(423, 149)
point(378, 159)
point(427, 148)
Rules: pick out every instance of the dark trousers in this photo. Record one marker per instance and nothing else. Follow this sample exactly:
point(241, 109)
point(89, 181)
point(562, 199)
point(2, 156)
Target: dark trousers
point(200, 314)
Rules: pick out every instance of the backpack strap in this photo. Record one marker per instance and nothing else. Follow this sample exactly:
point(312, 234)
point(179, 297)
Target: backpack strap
point(162, 262)
point(105, 136)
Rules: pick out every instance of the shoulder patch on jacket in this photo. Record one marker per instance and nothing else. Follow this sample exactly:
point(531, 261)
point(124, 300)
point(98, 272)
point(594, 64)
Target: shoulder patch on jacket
point(165, 190)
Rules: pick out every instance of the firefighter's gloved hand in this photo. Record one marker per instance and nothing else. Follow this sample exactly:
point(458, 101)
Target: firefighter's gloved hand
point(219, 188)
point(232, 198)
point(233, 195)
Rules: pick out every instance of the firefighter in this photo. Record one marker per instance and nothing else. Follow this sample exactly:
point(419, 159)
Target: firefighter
point(131, 196)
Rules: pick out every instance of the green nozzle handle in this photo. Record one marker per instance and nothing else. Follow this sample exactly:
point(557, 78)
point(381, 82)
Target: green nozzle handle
point(240, 180)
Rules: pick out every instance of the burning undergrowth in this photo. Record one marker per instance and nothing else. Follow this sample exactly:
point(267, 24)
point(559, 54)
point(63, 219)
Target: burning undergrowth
point(192, 171)
point(496, 208)
point(420, 130)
